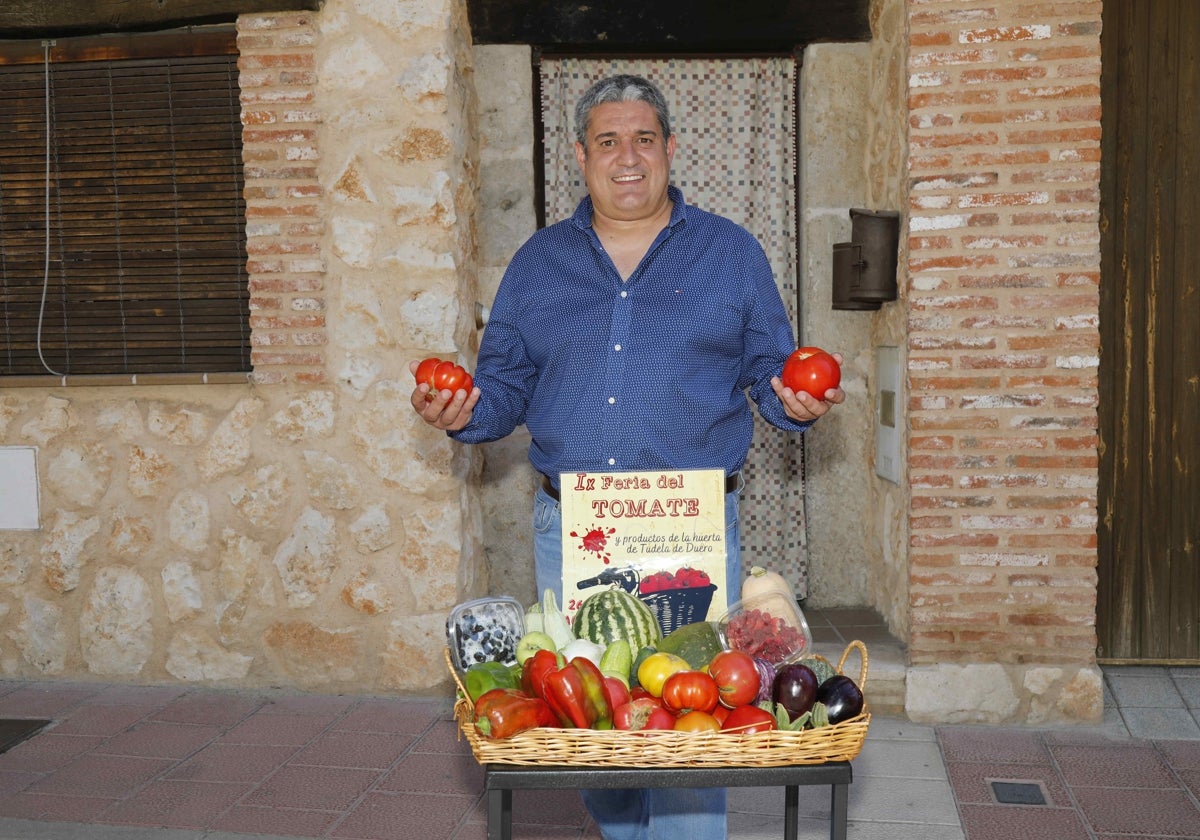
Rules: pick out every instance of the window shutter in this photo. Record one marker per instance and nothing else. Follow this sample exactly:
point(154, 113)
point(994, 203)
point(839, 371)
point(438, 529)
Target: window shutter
point(147, 256)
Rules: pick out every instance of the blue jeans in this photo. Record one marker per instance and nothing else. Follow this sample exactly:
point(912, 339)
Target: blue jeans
point(653, 813)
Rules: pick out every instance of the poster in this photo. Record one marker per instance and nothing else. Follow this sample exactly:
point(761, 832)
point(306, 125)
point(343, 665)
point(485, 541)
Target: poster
point(659, 535)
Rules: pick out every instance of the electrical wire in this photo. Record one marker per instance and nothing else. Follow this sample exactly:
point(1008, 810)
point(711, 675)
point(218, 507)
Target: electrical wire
point(46, 273)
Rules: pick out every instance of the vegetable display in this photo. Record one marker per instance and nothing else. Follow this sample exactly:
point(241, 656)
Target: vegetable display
point(812, 370)
point(542, 672)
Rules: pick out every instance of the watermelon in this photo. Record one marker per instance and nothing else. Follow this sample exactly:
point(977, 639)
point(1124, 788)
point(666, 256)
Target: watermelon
point(605, 617)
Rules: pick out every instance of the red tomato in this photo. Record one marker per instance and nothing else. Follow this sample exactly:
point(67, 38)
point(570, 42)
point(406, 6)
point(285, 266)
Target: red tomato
point(737, 677)
point(746, 720)
point(690, 691)
point(811, 369)
point(720, 713)
point(616, 692)
point(448, 376)
point(643, 713)
point(697, 721)
point(425, 372)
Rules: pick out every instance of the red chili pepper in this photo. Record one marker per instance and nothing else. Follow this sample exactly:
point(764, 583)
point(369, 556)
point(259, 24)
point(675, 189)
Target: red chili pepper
point(503, 712)
point(534, 671)
point(576, 694)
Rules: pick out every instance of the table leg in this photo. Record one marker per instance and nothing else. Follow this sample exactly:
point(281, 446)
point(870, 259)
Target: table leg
point(499, 814)
point(791, 812)
point(838, 807)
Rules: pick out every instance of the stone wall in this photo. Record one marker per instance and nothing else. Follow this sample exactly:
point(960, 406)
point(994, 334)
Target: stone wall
point(305, 528)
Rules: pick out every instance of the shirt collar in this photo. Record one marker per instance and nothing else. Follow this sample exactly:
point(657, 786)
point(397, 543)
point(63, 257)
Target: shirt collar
point(582, 218)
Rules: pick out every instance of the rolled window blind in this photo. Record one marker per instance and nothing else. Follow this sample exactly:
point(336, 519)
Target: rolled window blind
point(147, 254)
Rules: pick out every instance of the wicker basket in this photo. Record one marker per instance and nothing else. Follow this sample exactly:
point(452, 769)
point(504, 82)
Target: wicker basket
point(676, 607)
point(665, 748)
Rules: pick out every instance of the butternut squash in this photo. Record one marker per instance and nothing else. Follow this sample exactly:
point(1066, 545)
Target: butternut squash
point(761, 581)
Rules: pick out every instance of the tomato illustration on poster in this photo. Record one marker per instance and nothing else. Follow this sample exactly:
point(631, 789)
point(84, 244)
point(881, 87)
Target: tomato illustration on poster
point(659, 535)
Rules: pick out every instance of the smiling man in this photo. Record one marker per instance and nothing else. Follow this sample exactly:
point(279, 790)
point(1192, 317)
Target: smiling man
point(632, 336)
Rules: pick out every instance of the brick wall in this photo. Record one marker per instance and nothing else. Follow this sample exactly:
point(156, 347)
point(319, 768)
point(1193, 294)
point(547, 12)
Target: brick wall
point(283, 217)
point(1003, 274)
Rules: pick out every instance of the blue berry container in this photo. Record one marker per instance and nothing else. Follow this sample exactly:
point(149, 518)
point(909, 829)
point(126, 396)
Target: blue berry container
point(485, 630)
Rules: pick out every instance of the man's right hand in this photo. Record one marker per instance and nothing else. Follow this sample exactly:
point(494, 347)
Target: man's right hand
point(448, 410)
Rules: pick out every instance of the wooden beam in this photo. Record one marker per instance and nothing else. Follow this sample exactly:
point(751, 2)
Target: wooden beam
point(710, 26)
point(51, 18)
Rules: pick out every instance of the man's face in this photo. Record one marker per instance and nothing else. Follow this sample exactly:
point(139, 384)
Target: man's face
point(627, 161)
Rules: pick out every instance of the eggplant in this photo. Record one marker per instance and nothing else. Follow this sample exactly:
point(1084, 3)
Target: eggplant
point(842, 698)
point(795, 689)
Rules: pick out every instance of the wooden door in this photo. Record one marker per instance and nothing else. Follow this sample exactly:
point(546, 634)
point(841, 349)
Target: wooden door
point(1149, 493)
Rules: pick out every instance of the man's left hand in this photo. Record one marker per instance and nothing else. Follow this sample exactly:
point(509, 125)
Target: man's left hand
point(803, 406)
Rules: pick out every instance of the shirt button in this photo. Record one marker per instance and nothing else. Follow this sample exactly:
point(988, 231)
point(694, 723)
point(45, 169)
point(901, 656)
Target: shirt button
point(612, 461)
point(624, 294)
point(617, 347)
point(612, 400)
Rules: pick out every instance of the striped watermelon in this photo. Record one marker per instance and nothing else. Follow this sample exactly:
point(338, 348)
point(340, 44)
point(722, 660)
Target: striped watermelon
point(604, 617)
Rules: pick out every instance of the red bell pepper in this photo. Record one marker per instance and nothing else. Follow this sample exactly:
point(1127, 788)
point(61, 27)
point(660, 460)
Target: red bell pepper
point(576, 694)
point(534, 671)
point(503, 712)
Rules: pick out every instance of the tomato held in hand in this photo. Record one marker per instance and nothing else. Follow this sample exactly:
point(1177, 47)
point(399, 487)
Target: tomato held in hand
point(690, 691)
point(440, 376)
point(736, 676)
point(812, 370)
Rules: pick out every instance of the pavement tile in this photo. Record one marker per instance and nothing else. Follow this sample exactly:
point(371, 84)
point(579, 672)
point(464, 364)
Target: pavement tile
point(376, 817)
point(972, 782)
point(1112, 767)
point(286, 822)
point(1010, 822)
point(232, 763)
point(47, 751)
point(159, 740)
point(1189, 690)
point(377, 715)
point(312, 788)
point(55, 806)
point(44, 701)
point(180, 804)
point(278, 730)
point(101, 719)
point(109, 776)
point(903, 759)
point(1153, 689)
point(989, 743)
point(214, 709)
point(1166, 812)
point(1156, 723)
point(443, 736)
point(354, 749)
point(1180, 754)
point(434, 773)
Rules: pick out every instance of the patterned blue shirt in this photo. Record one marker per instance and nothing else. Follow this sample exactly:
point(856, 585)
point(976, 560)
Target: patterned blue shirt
point(650, 373)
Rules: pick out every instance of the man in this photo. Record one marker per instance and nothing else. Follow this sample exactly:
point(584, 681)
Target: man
point(628, 338)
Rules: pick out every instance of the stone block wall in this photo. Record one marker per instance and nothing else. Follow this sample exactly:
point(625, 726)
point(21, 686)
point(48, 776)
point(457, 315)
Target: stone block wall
point(304, 528)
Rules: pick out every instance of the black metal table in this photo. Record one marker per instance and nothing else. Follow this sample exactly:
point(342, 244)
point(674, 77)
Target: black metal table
point(500, 780)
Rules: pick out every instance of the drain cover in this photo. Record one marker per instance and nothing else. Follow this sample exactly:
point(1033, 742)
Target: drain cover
point(1018, 793)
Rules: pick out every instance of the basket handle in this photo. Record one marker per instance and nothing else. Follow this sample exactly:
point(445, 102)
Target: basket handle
point(862, 652)
point(462, 692)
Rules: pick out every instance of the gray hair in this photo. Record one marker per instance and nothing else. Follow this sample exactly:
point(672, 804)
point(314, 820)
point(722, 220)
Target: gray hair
point(622, 88)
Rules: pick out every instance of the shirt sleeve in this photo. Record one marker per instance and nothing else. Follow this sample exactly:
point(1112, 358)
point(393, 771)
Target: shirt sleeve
point(504, 373)
point(768, 341)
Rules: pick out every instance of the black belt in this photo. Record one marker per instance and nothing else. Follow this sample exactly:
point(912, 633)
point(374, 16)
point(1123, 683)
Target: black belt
point(731, 484)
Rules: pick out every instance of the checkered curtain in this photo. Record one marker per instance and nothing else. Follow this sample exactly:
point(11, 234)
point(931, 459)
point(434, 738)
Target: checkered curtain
point(735, 155)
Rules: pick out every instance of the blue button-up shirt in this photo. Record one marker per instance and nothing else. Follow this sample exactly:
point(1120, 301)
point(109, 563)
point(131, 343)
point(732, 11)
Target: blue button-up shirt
point(649, 373)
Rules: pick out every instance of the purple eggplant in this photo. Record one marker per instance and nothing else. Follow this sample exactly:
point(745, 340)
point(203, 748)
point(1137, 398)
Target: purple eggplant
point(795, 689)
point(766, 679)
point(841, 697)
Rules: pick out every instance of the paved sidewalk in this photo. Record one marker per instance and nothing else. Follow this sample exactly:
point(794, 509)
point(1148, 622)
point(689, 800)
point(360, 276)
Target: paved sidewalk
point(177, 763)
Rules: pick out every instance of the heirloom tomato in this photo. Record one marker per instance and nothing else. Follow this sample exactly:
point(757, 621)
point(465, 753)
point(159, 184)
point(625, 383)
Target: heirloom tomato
point(736, 676)
point(643, 713)
point(697, 721)
point(653, 672)
point(441, 375)
point(747, 720)
point(690, 691)
point(812, 370)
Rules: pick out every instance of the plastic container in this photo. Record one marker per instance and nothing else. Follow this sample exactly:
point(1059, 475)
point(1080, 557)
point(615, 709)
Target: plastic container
point(485, 630)
point(768, 626)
